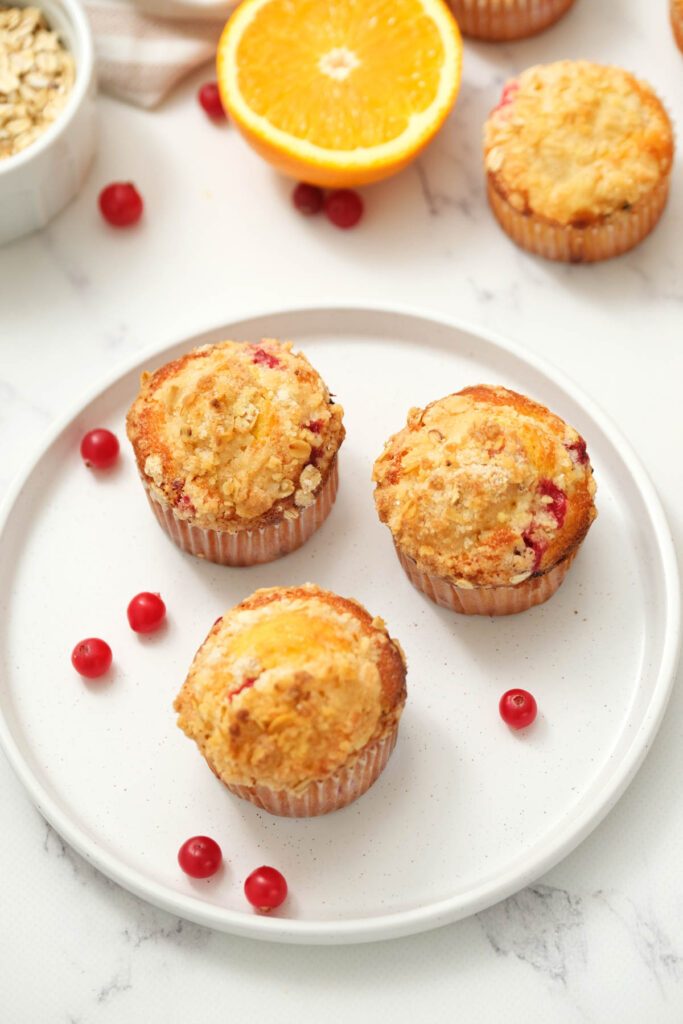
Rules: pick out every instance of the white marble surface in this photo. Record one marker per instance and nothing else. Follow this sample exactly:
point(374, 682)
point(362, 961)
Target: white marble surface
point(599, 939)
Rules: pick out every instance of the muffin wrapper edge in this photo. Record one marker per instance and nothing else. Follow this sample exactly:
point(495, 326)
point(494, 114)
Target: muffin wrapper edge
point(326, 795)
point(567, 244)
point(500, 600)
point(497, 20)
point(249, 547)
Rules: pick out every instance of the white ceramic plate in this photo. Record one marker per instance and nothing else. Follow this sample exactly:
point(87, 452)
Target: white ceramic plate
point(467, 811)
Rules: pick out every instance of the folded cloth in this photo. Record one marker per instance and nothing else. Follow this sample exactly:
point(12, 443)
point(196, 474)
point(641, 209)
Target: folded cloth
point(142, 56)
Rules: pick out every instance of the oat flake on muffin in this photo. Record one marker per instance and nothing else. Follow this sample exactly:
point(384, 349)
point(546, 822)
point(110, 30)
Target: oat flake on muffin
point(485, 493)
point(578, 159)
point(294, 699)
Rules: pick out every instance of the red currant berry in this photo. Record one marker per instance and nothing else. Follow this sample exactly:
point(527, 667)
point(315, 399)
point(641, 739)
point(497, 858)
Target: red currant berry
point(265, 889)
point(121, 204)
point(91, 658)
point(100, 448)
point(200, 857)
point(517, 708)
point(210, 100)
point(146, 612)
point(344, 208)
point(308, 199)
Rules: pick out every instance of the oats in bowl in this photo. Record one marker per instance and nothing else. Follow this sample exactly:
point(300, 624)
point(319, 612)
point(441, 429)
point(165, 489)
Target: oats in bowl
point(37, 75)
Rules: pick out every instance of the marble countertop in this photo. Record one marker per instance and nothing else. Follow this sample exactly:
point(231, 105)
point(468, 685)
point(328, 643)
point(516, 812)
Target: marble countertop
point(599, 938)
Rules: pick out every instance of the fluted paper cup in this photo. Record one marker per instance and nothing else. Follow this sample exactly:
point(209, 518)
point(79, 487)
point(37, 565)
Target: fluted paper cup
point(623, 230)
point(326, 795)
point(249, 547)
point(497, 20)
point(498, 600)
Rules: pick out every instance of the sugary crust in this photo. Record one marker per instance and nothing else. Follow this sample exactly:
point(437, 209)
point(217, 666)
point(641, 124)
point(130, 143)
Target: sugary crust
point(498, 20)
point(233, 436)
point(290, 686)
point(575, 142)
point(485, 488)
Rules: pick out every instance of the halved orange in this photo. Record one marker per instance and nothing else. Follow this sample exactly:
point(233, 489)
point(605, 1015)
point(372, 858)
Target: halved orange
point(339, 92)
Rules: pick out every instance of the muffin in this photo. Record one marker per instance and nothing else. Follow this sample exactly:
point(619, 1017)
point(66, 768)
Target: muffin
point(676, 10)
point(488, 496)
point(236, 445)
point(578, 160)
point(294, 699)
point(507, 19)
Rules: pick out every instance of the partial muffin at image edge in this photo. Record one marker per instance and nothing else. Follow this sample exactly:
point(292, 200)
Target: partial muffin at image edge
point(500, 20)
point(236, 445)
point(488, 496)
point(294, 700)
point(578, 160)
point(676, 14)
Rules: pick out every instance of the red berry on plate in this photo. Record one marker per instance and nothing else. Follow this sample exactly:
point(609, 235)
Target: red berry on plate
point(100, 448)
point(146, 612)
point(344, 208)
point(200, 857)
point(517, 708)
point(265, 889)
point(91, 658)
point(121, 204)
point(308, 199)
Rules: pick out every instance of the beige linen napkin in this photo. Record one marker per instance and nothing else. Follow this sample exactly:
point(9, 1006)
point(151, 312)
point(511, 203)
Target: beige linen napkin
point(141, 55)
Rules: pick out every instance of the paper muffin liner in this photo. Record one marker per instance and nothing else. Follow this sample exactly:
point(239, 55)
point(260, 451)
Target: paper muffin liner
point(620, 232)
point(499, 20)
point(499, 600)
point(677, 22)
point(249, 547)
point(327, 795)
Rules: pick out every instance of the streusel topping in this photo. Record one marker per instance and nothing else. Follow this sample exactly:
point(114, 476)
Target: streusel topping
point(233, 432)
point(289, 686)
point(485, 487)
point(575, 141)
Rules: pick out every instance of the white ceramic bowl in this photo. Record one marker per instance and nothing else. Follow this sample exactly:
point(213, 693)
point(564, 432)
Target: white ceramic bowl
point(38, 182)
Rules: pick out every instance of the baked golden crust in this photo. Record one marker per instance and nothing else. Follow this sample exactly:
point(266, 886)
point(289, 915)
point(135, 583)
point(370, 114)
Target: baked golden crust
point(233, 436)
point(676, 9)
point(574, 142)
point(485, 488)
point(290, 686)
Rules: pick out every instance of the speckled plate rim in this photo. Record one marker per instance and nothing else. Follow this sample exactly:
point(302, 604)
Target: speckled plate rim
point(519, 872)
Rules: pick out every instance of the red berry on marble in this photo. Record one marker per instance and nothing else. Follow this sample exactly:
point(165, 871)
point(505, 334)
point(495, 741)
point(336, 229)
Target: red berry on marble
point(200, 857)
point(517, 708)
point(308, 199)
point(146, 612)
point(91, 658)
point(121, 204)
point(100, 448)
point(265, 889)
point(344, 208)
point(210, 100)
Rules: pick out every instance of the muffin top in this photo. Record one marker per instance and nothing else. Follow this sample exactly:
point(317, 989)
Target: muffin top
point(574, 142)
point(485, 487)
point(289, 686)
point(235, 434)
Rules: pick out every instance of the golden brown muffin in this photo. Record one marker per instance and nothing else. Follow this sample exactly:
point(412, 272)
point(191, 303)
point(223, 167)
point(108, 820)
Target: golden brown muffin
point(488, 496)
point(676, 11)
point(237, 448)
point(497, 20)
point(294, 699)
point(578, 160)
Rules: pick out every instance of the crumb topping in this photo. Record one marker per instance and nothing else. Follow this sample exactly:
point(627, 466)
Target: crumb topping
point(235, 432)
point(575, 142)
point(485, 487)
point(289, 686)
